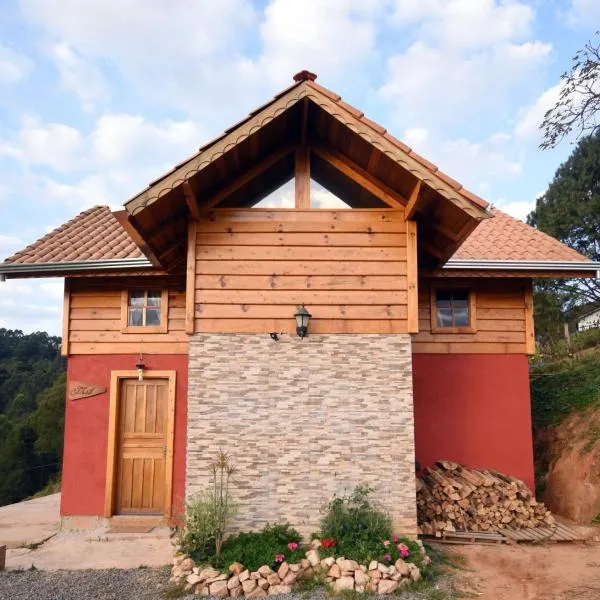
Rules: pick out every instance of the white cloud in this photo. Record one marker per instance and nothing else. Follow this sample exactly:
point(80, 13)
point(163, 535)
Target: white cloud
point(52, 144)
point(583, 13)
point(120, 138)
point(31, 305)
point(327, 36)
point(531, 117)
point(183, 53)
point(517, 209)
point(436, 86)
point(9, 244)
point(468, 59)
point(13, 66)
point(79, 76)
point(466, 23)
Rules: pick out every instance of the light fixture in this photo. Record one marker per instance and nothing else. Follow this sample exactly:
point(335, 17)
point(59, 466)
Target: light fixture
point(302, 319)
point(140, 366)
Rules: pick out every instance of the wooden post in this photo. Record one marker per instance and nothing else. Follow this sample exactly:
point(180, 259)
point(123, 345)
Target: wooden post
point(190, 300)
point(302, 174)
point(64, 347)
point(411, 277)
point(2, 558)
point(567, 334)
point(529, 324)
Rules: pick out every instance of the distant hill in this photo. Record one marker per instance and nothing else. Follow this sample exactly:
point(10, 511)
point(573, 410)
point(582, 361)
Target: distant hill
point(32, 409)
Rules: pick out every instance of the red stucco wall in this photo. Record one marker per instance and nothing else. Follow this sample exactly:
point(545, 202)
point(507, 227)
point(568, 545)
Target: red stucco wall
point(474, 409)
point(86, 430)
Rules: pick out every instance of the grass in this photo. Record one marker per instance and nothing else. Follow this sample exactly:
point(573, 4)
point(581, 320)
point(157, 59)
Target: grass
point(52, 487)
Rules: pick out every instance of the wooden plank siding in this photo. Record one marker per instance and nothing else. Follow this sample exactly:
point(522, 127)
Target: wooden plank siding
point(95, 319)
point(253, 267)
point(500, 323)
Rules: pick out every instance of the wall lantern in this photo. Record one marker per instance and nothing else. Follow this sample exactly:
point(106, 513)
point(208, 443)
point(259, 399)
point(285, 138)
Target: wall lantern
point(302, 319)
point(140, 366)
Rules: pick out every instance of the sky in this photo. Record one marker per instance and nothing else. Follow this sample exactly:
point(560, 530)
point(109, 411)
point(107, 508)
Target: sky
point(99, 97)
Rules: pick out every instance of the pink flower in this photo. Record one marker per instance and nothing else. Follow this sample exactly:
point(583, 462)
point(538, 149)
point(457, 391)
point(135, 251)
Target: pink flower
point(386, 543)
point(396, 538)
point(279, 557)
point(403, 550)
point(387, 557)
point(293, 546)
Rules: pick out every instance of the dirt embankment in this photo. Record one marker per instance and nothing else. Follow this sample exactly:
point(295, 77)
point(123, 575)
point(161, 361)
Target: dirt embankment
point(532, 572)
point(570, 452)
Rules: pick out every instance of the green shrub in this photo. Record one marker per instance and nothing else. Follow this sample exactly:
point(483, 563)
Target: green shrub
point(559, 389)
point(208, 513)
point(361, 531)
point(260, 548)
point(197, 538)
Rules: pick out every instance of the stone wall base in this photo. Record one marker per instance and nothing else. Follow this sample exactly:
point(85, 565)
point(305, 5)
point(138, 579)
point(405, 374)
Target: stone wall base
point(303, 419)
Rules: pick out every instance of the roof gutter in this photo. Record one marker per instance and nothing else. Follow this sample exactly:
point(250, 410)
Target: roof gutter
point(76, 266)
point(523, 265)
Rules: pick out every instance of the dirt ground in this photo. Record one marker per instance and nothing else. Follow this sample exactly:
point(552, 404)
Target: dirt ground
point(552, 571)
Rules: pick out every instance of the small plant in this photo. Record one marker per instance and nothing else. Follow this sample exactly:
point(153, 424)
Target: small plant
point(596, 519)
point(271, 546)
point(353, 527)
point(208, 513)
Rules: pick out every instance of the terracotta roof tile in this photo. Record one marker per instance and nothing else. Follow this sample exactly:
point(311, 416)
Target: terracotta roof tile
point(94, 234)
point(506, 238)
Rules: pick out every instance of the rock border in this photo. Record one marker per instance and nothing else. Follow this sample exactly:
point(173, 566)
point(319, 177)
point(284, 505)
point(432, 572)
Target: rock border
point(340, 574)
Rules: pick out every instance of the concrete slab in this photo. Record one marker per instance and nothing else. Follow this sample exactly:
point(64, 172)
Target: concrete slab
point(32, 532)
point(29, 522)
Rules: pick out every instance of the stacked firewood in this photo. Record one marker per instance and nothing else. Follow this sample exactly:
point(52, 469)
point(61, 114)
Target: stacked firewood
point(451, 497)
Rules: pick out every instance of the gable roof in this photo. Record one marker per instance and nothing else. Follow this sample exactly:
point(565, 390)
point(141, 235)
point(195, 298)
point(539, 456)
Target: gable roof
point(305, 86)
point(95, 240)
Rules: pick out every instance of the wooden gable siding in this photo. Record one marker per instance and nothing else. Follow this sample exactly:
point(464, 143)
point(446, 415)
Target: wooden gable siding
point(95, 325)
point(502, 319)
point(254, 266)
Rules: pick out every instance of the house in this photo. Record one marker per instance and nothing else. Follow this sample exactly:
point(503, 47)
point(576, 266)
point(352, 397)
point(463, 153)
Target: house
point(590, 320)
point(180, 324)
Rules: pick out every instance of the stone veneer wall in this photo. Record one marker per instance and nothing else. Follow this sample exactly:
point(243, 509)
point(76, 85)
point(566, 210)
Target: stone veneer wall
point(303, 419)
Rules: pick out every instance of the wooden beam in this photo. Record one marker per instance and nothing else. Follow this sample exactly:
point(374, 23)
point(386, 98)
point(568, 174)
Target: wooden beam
point(357, 174)
point(304, 124)
point(190, 279)
point(138, 240)
point(64, 347)
point(302, 175)
point(248, 176)
point(412, 201)
point(529, 322)
point(412, 277)
point(191, 200)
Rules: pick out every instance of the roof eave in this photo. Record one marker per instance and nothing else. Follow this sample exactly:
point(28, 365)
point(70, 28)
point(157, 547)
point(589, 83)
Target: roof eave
point(15, 269)
point(523, 265)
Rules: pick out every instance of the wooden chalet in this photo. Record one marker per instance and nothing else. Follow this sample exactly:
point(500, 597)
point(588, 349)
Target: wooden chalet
point(181, 334)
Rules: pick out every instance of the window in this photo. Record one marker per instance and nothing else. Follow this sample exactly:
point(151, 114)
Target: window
point(452, 310)
point(144, 311)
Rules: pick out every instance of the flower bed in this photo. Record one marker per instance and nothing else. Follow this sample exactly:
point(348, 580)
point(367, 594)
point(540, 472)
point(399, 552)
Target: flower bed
point(339, 572)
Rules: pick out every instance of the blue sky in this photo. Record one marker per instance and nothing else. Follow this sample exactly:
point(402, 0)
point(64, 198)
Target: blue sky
point(97, 98)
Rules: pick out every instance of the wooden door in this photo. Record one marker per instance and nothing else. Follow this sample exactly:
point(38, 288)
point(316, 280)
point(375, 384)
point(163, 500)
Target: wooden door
point(142, 446)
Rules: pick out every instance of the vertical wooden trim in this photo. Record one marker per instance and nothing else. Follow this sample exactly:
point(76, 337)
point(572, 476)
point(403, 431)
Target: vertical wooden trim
point(411, 277)
point(64, 347)
point(190, 286)
point(164, 312)
point(529, 321)
point(302, 174)
point(124, 315)
point(112, 441)
point(170, 445)
point(113, 417)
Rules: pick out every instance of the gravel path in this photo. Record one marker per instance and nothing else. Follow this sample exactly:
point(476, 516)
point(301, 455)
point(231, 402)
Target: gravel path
point(111, 584)
point(121, 584)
